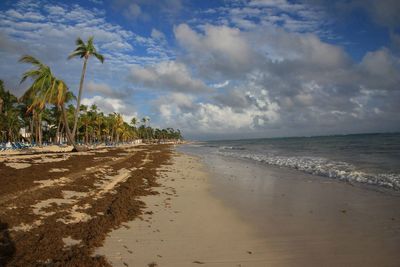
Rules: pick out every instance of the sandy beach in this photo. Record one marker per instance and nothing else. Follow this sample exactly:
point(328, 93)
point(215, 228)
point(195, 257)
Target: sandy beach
point(185, 226)
point(151, 205)
point(179, 133)
point(219, 211)
point(56, 208)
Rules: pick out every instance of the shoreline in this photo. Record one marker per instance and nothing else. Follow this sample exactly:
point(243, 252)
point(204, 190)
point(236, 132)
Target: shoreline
point(308, 220)
point(266, 217)
point(152, 205)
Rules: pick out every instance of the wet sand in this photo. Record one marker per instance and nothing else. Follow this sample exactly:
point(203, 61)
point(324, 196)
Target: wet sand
point(308, 220)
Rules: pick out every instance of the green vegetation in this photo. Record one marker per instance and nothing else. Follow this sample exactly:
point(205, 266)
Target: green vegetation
point(84, 51)
point(10, 119)
point(44, 114)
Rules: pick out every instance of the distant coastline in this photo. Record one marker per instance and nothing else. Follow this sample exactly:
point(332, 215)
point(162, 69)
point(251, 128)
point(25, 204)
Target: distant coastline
point(300, 136)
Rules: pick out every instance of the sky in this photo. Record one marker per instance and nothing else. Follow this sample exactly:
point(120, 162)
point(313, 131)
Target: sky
point(220, 69)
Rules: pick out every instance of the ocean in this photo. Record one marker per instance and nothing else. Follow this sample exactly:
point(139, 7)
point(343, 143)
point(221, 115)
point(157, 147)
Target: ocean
point(372, 159)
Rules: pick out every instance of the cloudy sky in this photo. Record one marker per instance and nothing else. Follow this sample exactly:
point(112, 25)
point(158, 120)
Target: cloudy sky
point(221, 69)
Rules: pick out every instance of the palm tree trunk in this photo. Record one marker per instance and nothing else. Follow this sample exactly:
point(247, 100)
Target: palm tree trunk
point(31, 129)
point(36, 129)
point(62, 132)
point(58, 131)
point(86, 135)
point(78, 101)
point(67, 130)
point(40, 129)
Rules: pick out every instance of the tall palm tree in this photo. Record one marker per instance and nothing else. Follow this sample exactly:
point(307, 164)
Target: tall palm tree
point(10, 122)
point(118, 125)
point(99, 121)
point(84, 51)
point(46, 89)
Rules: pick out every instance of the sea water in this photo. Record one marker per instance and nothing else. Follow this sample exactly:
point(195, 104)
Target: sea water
point(372, 159)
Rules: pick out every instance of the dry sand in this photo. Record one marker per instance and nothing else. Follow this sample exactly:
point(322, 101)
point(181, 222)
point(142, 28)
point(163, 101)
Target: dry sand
point(185, 226)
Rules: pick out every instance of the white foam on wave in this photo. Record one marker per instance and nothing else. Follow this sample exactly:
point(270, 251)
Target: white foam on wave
point(324, 167)
point(232, 148)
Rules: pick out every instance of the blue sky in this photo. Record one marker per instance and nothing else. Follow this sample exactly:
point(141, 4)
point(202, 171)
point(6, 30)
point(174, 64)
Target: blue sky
point(221, 69)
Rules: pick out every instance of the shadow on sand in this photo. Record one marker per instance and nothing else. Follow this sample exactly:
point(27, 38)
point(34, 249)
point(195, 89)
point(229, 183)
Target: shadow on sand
point(7, 246)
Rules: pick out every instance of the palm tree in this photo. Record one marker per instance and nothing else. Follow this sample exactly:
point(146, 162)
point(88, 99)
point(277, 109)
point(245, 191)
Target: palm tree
point(99, 121)
point(9, 120)
point(134, 122)
point(46, 89)
point(145, 120)
point(84, 51)
point(119, 124)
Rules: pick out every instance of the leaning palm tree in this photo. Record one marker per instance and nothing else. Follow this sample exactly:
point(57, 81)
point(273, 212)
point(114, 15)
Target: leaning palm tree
point(46, 89)
point(84, 51)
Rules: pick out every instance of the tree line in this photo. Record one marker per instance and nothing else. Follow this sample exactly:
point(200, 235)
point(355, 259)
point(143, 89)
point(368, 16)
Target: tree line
point(46, 114)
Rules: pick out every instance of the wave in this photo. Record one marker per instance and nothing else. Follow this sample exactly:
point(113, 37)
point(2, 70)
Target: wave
point(224, 147)
point(321, 166)
point(232, 148)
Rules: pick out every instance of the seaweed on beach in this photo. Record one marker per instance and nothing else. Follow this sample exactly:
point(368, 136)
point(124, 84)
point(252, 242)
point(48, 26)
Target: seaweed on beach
point(43, 244)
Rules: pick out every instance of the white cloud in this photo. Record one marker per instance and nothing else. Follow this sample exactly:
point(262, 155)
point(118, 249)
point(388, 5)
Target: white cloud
point(168, 75)
point(99, 88)
point(385, 12)
point(52, 39)
point(261, 66)
point(200, 117)
point(381, 63)
point(109, 105)
point(156, 34)
point(97, 2)
point(220, 85)
point(221, 46)
point(134, 10)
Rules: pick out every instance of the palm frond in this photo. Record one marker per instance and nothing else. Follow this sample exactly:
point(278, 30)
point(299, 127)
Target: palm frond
point(69, 96)
point(30, 59)
point(99, 56)
point(61, 90)
point(90, 41)
point(79, 42)
point(76, 53)
point(29, 74)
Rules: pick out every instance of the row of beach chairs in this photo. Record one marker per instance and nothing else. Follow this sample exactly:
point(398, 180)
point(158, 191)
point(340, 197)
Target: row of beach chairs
point(21, 145)
point(18, 145)
point(14, 146)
